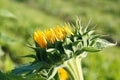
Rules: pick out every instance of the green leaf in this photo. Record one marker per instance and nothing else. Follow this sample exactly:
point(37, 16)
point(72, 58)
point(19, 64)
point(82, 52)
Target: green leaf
point(57, 77)
point(75, 45)
point(40, 53)
point(51, 50)
point(88, 32)
point(29, 68)
point(31, 56)
point(11, 76)
point(2, 76)
point(69, 53)
point(101, 43)
point(53, 55)
point(68, 50)
point(93, 37)
point(52, 72)
point(91, 49)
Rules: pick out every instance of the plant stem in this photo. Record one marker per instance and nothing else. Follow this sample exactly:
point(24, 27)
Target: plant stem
point(74, 69)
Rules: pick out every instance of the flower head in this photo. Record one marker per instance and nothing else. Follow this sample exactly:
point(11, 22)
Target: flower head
point(39, 38)
point(50, 35)
point(60, 33)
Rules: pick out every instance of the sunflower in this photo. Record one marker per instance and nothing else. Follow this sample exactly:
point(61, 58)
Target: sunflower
point(40, 39)
point(51, 35)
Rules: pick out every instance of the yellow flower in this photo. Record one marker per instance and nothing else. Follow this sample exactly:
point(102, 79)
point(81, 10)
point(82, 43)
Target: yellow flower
point(39, 38)
point(68, 30)
point(47, 35)
point(50, 35)
point(63, 74)
point(60, 33)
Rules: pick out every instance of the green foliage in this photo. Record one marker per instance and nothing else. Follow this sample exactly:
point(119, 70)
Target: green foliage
point(2, 76)
point(10, 76)
point(18, 20)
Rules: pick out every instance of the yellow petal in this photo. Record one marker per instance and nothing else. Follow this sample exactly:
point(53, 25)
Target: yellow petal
point(68, 30)
point(47, 34)
point(63, 74)
point(50, 35)
point(40, 39)
point(60, 33)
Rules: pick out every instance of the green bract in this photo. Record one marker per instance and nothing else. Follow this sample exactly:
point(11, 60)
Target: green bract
point(66, 53)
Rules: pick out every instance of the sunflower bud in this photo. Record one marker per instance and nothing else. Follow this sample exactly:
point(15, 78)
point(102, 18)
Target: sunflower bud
point(39, 38)
point(60, 33)
point(50, 35)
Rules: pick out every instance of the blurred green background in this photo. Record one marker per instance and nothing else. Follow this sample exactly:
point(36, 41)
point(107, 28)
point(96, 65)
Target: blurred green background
point(20, 18)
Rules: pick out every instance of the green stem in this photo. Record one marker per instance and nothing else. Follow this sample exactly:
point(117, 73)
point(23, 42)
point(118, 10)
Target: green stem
point(73, 67)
